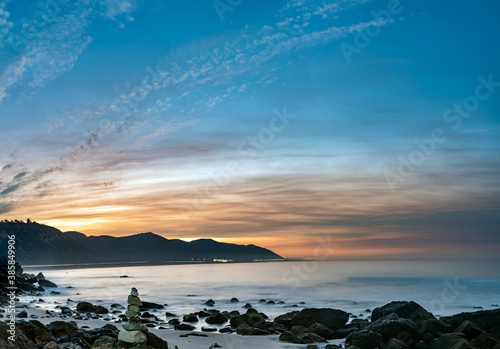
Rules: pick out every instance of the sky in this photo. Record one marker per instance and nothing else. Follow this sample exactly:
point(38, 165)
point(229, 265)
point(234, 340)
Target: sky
point(336, 129)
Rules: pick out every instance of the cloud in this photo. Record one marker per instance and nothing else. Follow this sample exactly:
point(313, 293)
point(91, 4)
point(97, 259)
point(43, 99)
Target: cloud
point(20, 175)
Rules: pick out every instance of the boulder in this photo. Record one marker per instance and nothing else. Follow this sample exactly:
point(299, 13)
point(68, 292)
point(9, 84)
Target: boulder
point(435, 327)
point(322, 330)
point(46, 283)
point(331, 318)
point(35, 331)
point(184, 327)
point(155, 342)
point(401, 329)
point(364, 339)
point(85, 307)
point(247, 330)
point(469, 329)
point(286, 319)
point(150, 305)
point(488, 320)
point(216, 318)
point(288, 336)
point(99, 309)
point(309, 337)
point(485, 341)
point(454, 340)
point(405, 310)
point(105, 342)
point(234, 300)
point(190, 318)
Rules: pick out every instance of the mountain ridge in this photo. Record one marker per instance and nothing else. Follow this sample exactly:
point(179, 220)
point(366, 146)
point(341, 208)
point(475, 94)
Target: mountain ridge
point(38, 244)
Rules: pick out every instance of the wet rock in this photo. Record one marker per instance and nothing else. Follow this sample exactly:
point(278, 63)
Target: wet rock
point(364, 339)
point(151, 305)
point(190, 318)
point(405, 310)
point(469, 329)
point(216, 318)
point(184, 327)
point(46, 283)
point(331, 318)
point(288, 336)
point(234, 300)
point(210, 303)
point(322, 330)
point(488, 320)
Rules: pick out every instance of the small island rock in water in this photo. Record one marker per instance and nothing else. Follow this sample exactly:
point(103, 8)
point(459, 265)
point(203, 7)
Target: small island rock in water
point(133, 331)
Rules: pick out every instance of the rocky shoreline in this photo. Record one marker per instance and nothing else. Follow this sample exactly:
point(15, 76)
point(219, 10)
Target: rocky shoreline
point(396, 325)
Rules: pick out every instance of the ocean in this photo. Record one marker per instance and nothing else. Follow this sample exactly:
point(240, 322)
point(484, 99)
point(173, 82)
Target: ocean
point(442, 287)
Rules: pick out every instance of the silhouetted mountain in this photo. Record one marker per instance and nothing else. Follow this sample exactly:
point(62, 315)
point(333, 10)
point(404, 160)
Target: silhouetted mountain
point(41, 244)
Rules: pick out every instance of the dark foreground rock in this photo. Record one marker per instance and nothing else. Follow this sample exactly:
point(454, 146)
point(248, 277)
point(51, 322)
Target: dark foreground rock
point(487, 320)
point(61, 334)
point(405, 310)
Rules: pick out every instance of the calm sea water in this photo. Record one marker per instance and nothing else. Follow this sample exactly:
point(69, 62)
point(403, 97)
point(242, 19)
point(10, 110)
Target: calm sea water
point(442, 287)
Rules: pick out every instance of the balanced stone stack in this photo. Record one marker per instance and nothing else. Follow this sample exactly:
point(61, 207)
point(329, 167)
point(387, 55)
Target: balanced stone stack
point(134, 330)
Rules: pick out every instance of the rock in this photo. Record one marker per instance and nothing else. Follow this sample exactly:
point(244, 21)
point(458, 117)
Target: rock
point(322, 330)
point(434, 327)
point(406, 310)
point(85, 307)
point(332, 346)
point(288, 336)
point(247, 330)
point(331, 318)
point(135, 326)
point(402, 329)
point(234, 300)
point(22, 314)
point(155, 342)
point(132, 337)
point(174, 322)
point(52, 345)
point(227, 329)
point(488, 320)
point(134, 300)
point(247, 306)
point(63, 328)
point(99, 309)
point(210, 303)
point(190, 318)
point(216, 318)
point(208, 329)
point(485, 341)
point(35, 331)
point(46, 283)
point(469, 329)
point(150, 305)
point(105, 342)
point(364, 339)
point(312, 346)
point(286, 319)
point(309, 337)
point(394, 343)
point(203, 313)
point(184, 327)
point(454, 340)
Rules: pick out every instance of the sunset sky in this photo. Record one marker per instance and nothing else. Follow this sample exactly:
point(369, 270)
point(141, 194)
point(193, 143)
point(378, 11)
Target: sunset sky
point(357, 128)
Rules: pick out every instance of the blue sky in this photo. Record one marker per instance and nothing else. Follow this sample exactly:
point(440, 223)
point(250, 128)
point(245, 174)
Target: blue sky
point(275, 123)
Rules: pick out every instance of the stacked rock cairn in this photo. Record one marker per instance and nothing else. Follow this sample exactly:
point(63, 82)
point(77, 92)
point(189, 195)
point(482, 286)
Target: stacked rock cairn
point(133, 331)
